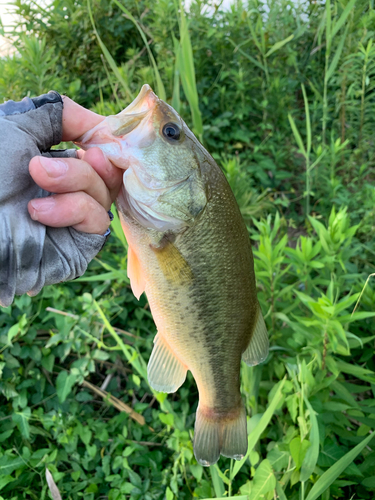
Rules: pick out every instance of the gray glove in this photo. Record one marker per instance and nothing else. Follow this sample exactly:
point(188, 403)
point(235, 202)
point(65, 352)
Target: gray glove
point(31, 254)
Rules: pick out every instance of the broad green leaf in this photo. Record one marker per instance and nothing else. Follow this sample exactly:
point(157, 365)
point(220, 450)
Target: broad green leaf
point(349, 318)
point(4, 480)
point(369, 482)
point(21, 419)
point(278, 45)
point(85, 434)
point(278, 458)
point(5, 435)
point(197, 471)
point(332, 452)
point(264, 480)
point(48, 362)
point(260, 427)
point(8, 464)
point(311, 457)
point(298, 450)
point(344, 394)
point(12, 332)
point(357, 371)
point(64, 384)
point(331, 406)
point(333, 472)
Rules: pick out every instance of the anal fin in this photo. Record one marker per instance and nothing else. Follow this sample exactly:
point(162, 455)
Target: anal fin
point(257, 350)
point(164, 371)
point(137, 280)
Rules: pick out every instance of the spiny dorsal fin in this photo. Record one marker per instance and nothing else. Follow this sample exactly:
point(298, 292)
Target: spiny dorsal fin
point(257, 350)
point(165, 372)
point(137, 280)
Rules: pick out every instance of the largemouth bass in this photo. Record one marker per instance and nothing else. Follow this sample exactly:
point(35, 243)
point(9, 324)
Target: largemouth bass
point(189, 250)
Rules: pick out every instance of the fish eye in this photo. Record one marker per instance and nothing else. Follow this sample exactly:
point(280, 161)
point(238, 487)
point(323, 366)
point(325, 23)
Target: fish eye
point(171, 131)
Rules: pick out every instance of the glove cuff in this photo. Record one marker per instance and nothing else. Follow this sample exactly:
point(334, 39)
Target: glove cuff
point(39, 118)
point(51, 98)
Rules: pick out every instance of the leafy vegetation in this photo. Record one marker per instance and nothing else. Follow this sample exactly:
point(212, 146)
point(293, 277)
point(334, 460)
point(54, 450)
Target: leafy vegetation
point(283, 96)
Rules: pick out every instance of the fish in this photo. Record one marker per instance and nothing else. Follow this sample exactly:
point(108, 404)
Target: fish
point(190, 252)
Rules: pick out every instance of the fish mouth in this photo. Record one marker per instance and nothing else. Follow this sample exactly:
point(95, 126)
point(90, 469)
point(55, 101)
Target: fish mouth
point(145, 100)
point(122, 123)
point(132, 115)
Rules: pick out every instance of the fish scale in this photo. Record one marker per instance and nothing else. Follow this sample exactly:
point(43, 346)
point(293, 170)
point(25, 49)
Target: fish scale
point(190, 252)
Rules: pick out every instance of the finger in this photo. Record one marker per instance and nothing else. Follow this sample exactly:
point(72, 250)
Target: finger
point(66, 175)
point(77, 120)
point(78, 210)
point(111, 175)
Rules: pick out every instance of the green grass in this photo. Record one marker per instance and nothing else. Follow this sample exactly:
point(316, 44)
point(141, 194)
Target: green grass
point(283, 98)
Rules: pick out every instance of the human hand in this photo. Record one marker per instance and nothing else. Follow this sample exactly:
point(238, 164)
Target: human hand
point(57, 243)
point(85, 186)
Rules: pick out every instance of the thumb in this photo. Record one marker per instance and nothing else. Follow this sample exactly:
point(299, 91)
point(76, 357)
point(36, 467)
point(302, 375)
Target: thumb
point(77, 120)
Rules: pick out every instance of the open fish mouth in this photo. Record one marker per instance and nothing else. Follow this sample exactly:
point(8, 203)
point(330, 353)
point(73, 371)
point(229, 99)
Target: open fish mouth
point(131, 116)
point(145, 101)
point(117, 126)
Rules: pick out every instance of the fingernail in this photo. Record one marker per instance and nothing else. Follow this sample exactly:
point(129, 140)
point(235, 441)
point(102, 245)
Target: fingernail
point(54, 168)
point(41, 205)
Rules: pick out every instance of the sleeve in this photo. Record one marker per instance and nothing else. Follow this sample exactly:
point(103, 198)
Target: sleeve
point(31, 254)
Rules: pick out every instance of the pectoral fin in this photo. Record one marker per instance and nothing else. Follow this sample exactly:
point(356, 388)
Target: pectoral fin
point(165, 372)
point(174, 266)
point(137, 280)
point(257, 350)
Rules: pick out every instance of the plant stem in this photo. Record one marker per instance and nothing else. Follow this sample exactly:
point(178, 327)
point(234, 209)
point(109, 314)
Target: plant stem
point(230, 476)
point(328, 52)
point(325, 104)
point(325, 342)
point(273, 303)
point(363, 91)
point(343, 109)
point(308, 185)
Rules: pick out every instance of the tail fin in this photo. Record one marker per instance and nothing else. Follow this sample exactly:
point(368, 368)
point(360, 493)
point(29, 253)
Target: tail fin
point(215, 435)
